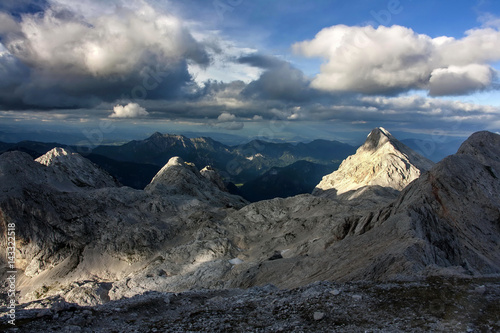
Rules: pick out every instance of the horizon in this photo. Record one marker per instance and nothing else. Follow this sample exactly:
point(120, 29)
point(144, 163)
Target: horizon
point(242, 70)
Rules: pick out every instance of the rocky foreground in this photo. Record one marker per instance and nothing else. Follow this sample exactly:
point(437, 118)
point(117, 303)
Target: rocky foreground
point(434, 305)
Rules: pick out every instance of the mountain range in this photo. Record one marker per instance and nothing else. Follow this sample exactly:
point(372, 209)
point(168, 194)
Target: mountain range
point(385, 215)
point(135, 163)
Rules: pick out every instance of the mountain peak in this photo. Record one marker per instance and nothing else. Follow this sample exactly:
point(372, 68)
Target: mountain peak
point(156, 135)
point(179, 178)
point(175, 161)
point(79, 170)
point(377, 138)
point(381, 161)
point(481, 145)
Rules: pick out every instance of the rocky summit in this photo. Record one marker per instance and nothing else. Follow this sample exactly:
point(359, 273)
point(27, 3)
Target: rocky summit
point(387, 228)
point(382, 161)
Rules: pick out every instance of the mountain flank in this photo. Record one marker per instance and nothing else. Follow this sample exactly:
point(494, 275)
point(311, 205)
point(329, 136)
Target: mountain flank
point(382, 161)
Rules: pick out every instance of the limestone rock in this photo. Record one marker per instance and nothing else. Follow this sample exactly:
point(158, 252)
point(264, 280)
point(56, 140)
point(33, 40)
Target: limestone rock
point(381, 161)
point(79, 170)
point(180, 178)
point(209, 173)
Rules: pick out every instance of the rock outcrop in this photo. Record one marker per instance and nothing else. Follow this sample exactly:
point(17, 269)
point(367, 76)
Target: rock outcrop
point(178, 178)
point(381, 161)
point(452, 213)
point(79, 170)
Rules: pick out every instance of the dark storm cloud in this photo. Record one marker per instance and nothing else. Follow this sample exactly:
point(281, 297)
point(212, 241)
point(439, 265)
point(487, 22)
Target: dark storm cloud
point(55, 60)
point(280, 82)
point(261, 61)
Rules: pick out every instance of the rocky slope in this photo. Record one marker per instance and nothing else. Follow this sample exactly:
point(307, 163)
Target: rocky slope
point(432, 305)
point(381, 161)
point(83, 173)
point(92, 245)
point(67, 232)
point(452, 213)
point(445, 222)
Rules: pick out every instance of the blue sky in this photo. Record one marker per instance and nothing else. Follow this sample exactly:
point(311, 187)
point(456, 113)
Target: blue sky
point(292, 70)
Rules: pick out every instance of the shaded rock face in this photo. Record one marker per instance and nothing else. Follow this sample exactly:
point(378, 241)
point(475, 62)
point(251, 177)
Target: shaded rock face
point(453, 211)
point(209, 173)
point(381, 161)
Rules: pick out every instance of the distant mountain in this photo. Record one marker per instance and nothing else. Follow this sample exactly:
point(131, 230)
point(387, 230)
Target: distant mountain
point(238, 164)
point(435, 150)
point(297, 178)
point(33, 148)
point(135, 175)
point(382, 161)
point(136, 162)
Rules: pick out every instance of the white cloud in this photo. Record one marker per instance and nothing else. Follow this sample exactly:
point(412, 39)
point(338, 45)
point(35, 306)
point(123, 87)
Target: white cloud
point(456, 80)
point(225, 117)
point(228, 121)
point(392, 59)
point(114, 43)
point(131, 110)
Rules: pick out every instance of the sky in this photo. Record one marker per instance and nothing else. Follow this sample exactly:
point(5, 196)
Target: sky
point(102, 71)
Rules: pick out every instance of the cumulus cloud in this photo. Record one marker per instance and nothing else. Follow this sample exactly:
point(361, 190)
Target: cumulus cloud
point(108, 45)
point(225, 117)
point(280, 82)
point(131, 110)
point(77, 59)
point(228, 121)
point(456, 80)
point(387, 60)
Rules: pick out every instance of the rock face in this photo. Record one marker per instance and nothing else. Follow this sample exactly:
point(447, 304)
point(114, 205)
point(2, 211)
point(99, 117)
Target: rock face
point(445, 222)
point(381, 161)
point(183, 179)
point(79, 170)
point(452, 213)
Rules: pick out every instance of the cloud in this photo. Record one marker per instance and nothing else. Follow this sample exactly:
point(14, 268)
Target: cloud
point(225, 117)
point(107, 45)
point(261, 61)
point(456, 80)
point(387, 60)
point(280, 82)
point(131, 110)
point(228, 121)
point(74, 60)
